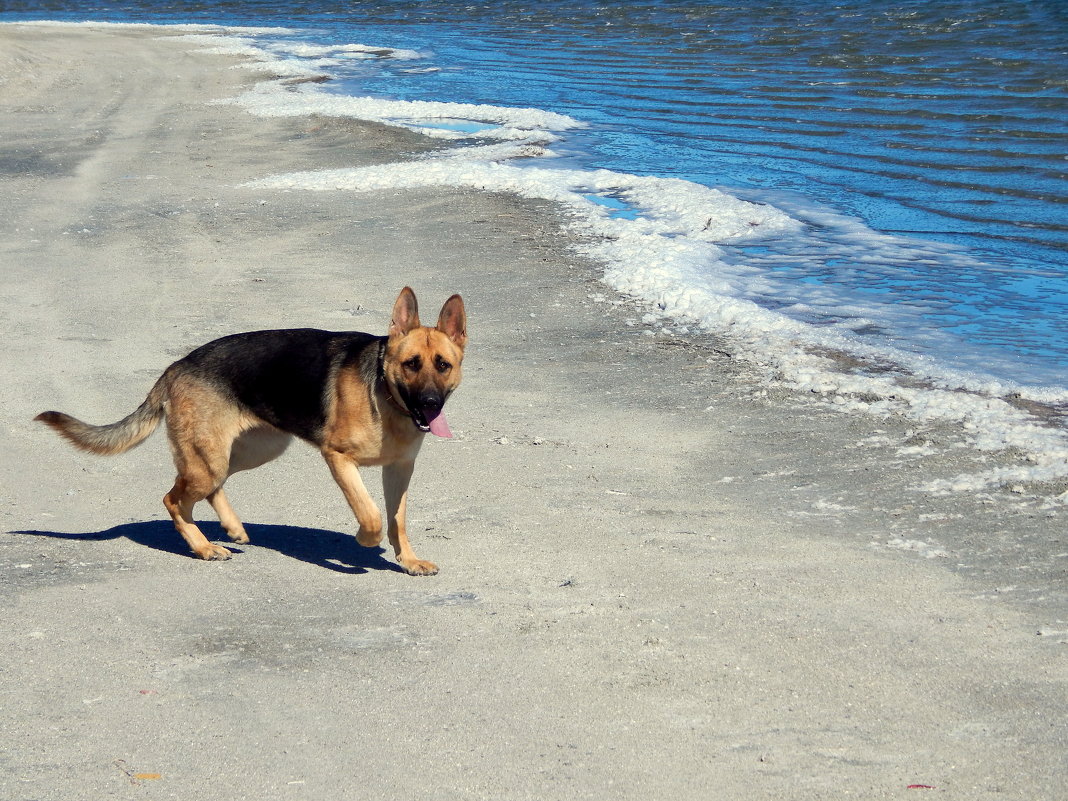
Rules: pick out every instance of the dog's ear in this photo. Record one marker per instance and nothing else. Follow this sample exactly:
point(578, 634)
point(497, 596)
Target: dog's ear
point(452, 321)
point(405, 313)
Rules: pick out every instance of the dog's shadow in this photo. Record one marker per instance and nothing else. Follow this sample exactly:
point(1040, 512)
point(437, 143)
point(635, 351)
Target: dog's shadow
point(330, 549)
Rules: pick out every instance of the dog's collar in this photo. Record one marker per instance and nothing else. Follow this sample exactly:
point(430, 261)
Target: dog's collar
point(385, 384)
point(396, 403)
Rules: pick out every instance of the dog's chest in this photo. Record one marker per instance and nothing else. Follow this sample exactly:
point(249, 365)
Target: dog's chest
point(370, 433)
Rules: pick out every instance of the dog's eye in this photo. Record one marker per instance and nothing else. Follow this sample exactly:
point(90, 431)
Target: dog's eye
point(414, 364)
point(442, 365)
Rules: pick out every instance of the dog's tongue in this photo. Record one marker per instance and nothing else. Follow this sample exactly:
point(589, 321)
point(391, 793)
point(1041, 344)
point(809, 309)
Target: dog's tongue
point(439, 427)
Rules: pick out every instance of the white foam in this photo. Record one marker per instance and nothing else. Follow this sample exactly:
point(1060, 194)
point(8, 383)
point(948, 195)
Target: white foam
point(357, 51)
point(520, 124)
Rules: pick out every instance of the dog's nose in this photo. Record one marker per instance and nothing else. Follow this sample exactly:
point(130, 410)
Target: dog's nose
point(431, 401)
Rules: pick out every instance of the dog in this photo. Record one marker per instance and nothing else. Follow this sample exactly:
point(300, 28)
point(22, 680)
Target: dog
point(237, 403)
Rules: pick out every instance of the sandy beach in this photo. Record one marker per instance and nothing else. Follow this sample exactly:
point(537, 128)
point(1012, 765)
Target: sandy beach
point(660, 577)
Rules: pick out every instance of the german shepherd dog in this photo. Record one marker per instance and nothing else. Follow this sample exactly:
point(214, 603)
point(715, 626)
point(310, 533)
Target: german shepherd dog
point(236, 403)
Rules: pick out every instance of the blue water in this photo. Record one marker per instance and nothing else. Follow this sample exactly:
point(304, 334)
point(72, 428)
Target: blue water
point(931, 122)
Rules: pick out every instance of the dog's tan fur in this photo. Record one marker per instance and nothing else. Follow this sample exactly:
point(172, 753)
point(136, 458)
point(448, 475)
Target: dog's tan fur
point(376, 394)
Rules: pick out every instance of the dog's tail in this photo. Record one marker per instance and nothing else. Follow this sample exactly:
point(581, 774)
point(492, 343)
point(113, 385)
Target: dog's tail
point(118, 437)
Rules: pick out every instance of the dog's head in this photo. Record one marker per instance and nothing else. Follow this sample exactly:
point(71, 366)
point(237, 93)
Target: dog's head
point(423, 365)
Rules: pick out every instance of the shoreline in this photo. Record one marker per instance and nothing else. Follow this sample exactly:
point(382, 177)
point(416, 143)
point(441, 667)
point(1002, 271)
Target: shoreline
point(637, 536)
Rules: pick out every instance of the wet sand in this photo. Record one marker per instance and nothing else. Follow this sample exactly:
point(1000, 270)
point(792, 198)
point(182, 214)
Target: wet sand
point(659, 576)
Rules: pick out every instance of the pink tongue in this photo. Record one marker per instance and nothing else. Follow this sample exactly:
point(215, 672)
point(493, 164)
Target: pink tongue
point(439, 427)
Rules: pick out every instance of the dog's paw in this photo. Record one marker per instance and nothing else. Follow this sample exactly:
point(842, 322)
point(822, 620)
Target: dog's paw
point(240, 537)
point(419, 567)
point(368, 538)
point(213, 553)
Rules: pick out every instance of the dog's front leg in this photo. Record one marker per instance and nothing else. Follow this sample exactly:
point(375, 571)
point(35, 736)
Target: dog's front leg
point(395, 478)
point(347, 476)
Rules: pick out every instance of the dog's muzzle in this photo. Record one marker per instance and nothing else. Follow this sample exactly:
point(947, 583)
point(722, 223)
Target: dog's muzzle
point(425, 410)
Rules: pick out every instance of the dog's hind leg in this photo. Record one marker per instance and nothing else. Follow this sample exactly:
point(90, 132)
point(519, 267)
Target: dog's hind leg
point(231, 523)
point(180, 501)
point(252, 448)
point(201, 426)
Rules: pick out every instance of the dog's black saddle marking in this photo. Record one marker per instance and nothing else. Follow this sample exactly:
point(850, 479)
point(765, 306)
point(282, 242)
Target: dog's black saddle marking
point(282, 376)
